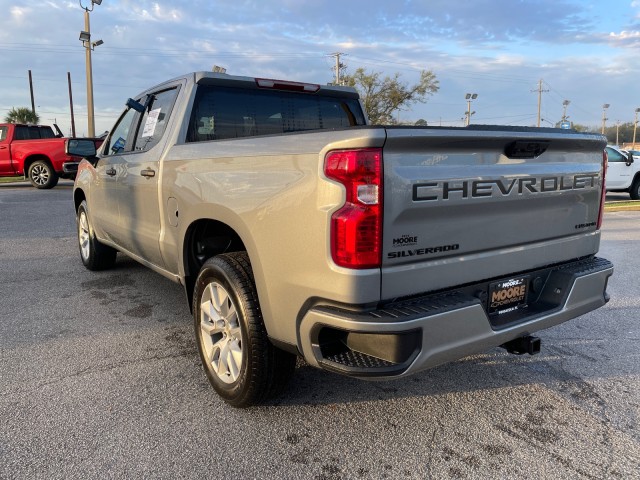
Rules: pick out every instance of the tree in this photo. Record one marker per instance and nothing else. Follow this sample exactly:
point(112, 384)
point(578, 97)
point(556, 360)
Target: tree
point(617, 134)
point(421, 123)
point(383, 97)
point(22, 115)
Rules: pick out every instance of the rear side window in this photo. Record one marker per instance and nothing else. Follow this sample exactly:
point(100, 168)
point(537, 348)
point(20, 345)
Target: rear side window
point(23, 132)
point(226, 112)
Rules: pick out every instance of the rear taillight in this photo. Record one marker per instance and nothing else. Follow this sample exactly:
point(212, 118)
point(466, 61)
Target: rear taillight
point(356, 228)
point(604, 191)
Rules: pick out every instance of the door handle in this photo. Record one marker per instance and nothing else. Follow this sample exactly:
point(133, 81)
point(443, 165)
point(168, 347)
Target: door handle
point(3, 147)
point(111, 172)
point(148, 172)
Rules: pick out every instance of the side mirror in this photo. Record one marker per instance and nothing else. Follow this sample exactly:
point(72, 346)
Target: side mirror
point(629, 159)
point(80, 147)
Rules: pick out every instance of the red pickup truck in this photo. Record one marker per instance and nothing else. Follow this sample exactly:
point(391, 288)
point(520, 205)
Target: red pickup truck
point(36, 152)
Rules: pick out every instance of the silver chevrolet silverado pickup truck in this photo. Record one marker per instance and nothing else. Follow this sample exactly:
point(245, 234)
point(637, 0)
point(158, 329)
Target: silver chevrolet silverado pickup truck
point(298, 230)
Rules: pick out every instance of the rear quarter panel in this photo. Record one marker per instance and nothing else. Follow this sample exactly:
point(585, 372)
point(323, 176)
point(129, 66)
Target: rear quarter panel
point(52, 148)
point(273, 193)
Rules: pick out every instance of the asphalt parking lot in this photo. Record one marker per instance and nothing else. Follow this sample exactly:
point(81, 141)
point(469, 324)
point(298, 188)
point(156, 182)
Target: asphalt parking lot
point(99, 378)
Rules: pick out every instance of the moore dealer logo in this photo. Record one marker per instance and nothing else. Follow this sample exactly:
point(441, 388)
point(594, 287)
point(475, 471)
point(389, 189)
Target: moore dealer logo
point(405, 240)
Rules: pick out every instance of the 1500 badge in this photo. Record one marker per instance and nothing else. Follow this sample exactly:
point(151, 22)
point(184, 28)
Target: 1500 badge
point(416, 252)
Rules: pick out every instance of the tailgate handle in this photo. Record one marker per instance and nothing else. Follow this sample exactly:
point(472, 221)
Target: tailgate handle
point(525, 149)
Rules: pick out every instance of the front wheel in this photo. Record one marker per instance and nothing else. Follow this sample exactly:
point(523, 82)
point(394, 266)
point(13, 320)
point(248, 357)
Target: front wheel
point(94, 254)
point(634, 191)
point(42, 175)
point(242, 365)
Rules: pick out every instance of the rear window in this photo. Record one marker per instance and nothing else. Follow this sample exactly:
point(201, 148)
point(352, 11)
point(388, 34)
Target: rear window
point(226, 112)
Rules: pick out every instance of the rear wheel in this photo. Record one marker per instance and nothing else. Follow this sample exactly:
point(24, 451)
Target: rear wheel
point(634, 191)
point(241, 363)
point(42, 175)
point(94, 255)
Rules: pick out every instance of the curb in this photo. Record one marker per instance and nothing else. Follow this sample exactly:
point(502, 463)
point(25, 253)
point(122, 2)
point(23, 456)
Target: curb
point(622, 208)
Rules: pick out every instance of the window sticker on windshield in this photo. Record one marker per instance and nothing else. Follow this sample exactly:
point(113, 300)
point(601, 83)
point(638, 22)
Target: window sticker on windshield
point(150, 124)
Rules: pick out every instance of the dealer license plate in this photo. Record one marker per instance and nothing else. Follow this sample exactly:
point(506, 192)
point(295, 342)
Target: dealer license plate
point(508, 295)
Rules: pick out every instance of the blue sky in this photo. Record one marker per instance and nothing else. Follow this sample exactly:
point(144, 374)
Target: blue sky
point(587, 52)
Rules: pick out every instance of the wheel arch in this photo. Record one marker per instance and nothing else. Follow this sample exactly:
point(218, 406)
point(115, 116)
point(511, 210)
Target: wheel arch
point(634, 188)
point(204, 239)
point(78, 197)
point(31, 159)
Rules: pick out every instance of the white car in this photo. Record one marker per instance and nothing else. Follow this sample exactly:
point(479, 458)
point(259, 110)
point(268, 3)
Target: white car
point(623, 173)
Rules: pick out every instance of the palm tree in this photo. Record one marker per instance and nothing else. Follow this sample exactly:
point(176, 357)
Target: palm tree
point(22, 115)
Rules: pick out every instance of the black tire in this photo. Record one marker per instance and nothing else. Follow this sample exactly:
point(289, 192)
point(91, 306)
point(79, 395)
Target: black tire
point(225, 286)
point(42, 175)
point(94, 255)
point(634, 191)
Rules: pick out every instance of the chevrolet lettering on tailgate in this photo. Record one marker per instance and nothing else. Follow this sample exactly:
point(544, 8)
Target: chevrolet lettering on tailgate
point(444, 190)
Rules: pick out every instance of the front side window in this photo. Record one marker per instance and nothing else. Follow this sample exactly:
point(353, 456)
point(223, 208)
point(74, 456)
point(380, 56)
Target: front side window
point(3, 133)
point(118, 141)
point(227, 112)
point(615, 156)
point(155, 118)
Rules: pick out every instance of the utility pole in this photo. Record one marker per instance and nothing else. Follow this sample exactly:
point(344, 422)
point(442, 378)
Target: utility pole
point(540, 92)
point(73, 121)
point(339, 66)
point(33, 103)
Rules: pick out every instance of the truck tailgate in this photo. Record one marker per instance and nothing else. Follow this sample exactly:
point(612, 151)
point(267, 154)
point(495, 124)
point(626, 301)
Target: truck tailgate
point(463, 205)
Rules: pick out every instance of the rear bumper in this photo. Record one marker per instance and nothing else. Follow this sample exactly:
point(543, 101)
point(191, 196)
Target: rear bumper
point(70, 167)
point(405, 337)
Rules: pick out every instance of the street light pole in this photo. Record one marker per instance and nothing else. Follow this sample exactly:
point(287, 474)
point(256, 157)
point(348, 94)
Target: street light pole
point(604, 116)
point(85, 37)
point(565, 104)
point(635, 126)
point(91, 125)
point(469, 97)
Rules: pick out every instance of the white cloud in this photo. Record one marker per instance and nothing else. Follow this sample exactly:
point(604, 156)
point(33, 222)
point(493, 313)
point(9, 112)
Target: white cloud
point(625, 39)
point(19, 14)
